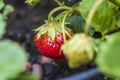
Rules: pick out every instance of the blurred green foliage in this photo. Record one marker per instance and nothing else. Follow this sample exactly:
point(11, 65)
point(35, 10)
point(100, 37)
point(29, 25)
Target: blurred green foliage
point(12, 56)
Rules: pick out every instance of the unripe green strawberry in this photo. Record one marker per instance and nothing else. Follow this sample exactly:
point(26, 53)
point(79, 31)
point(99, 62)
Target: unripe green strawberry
point(78, 50)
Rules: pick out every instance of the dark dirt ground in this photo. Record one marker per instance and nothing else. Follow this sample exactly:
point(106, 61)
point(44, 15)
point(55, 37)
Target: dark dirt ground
point(20, 27)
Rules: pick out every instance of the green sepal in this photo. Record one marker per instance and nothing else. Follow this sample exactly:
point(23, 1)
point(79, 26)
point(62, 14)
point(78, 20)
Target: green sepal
point(50, 29)
point(46, 21)
point(51, 33)
point(58, 28)
point(37, 30)
point(41, 31)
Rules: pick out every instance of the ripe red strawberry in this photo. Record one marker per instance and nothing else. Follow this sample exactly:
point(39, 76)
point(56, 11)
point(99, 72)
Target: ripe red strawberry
point(49, 40)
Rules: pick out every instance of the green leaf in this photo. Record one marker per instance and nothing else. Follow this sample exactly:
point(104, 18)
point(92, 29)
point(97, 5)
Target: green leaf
point(76, 23)
point(51, 33)
point(2, 25)
point(27, 76)
point(8, 8)
point(116, 2)
point(32, 2)
point(2, 4)
point(108, 59)
point(117, 18)
point(12, 59)
point(103, 17)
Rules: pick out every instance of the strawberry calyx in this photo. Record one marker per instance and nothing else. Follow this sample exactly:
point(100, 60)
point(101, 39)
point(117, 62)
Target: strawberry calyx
point(51, 28)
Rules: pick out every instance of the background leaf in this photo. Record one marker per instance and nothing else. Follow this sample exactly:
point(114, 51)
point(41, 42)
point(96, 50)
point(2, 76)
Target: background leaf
point(108, 59)
point(117, 18)
point(76, 23)
point(2, 25)
point(116, 2)
point(8, 8)
point(27, 76)
point(12, 59)
point(103, 17)
point(1, 4)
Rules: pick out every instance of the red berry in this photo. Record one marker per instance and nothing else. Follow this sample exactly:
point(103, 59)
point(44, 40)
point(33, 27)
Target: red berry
point(50, 47)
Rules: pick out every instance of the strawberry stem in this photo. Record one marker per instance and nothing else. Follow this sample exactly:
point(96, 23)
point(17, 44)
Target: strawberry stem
point(68, 34)
point(57, 9)
point(63, 23)
point(59, 3)
point(90, 16)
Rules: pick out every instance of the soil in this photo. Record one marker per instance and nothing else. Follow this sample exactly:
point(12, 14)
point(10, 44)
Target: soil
point(20, 27)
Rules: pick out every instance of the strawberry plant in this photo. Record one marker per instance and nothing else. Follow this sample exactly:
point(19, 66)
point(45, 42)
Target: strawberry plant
point(85, 33)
